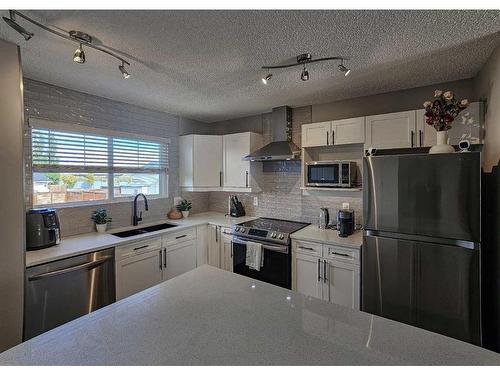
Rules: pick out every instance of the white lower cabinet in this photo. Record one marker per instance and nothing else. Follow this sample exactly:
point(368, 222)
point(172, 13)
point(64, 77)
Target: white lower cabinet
point(145, 263)
point(220, 247)
point(327, 272)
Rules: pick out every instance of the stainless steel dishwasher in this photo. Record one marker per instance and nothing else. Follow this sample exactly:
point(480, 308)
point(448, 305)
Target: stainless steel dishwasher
point(60, 291)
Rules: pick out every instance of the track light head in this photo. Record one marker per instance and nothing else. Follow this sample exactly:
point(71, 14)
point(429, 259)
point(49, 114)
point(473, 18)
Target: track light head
point(344, 70)
point(304, 76)
point(124, 72)
point(79, 56)
point(11, 21)
point(267, 78)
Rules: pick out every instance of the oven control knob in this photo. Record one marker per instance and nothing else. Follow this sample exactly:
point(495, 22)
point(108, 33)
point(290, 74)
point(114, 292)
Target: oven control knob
point(242, 230)
point(281, 236)
point(237, 229)
point(273, 235)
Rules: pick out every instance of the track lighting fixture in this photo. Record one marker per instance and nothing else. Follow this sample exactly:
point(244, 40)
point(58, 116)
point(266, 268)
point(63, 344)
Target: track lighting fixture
point(343, 69)
point(75, 36)
point(125, 74)
point(11, 21)
point(267, 78)
point(304, 76)
point(307, 58)
point(79, 56)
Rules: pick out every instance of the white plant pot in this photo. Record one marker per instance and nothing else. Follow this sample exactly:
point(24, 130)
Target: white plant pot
point(185, 214)
point(101, 228)
point(442, 146)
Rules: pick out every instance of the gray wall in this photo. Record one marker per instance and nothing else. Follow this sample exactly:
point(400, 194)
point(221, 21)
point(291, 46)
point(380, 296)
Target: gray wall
point(59, 104)
point(488, 88)
point(395, 101)
point(11, 190)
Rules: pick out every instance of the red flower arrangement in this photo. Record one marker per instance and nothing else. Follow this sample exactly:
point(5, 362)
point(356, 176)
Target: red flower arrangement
point(441, 112)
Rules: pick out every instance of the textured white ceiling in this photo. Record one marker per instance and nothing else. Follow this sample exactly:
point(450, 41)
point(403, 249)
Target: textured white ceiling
point(205, 65)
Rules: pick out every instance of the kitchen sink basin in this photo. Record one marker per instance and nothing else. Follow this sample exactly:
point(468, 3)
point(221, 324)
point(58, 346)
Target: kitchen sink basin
point(135, 232)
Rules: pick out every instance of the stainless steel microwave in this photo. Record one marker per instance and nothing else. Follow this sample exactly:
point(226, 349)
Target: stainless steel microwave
point(331, 174)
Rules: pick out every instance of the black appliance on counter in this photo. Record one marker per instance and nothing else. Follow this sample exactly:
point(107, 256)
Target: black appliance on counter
point(42, 229)
point(420, 261)
point(236, 207)
point(274, 235)
point(345, 222)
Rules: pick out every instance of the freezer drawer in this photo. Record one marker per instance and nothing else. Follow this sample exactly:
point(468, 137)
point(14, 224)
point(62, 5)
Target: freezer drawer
point(428, 285)
point(430, 195)
point(61, 291)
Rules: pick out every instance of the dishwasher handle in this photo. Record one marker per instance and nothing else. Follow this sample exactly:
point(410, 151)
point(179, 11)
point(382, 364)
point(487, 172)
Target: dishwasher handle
point(92, 264)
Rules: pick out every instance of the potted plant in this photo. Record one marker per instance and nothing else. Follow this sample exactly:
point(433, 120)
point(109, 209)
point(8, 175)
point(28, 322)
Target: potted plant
point(439, 114)
point(185, 206)
point(101, 219)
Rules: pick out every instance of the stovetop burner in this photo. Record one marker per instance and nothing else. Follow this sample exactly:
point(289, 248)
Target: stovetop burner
point(267, 229)
point(284, 226)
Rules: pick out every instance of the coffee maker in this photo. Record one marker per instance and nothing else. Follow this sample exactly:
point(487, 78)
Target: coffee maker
point(42, 229)
point(345, 222)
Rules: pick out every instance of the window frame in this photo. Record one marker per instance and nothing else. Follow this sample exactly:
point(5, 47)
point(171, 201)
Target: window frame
point(38, 123)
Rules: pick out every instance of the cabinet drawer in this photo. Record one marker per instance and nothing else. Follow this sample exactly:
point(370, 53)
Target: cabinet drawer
point(174, 238)
point(138, 247)
point(309, 248)
point(342, 254)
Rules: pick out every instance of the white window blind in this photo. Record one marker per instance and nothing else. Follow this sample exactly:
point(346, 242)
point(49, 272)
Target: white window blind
point(60, 150)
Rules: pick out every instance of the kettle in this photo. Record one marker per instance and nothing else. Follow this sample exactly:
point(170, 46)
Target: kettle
point(324, 218)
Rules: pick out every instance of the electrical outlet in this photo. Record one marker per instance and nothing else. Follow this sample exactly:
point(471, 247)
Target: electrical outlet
point(345, 206)
point(255, 201)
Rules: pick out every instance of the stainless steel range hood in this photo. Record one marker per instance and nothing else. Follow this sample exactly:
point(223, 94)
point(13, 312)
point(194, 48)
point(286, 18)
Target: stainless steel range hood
point(281, 147)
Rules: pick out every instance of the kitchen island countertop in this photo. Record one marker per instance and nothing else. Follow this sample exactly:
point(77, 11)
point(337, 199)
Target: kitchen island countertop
point(212, 317)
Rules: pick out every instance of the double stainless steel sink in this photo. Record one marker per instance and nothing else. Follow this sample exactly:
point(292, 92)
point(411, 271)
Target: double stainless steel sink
point(135, 232)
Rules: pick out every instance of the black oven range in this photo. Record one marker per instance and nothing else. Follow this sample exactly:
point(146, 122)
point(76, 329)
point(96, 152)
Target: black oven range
point(274, 237)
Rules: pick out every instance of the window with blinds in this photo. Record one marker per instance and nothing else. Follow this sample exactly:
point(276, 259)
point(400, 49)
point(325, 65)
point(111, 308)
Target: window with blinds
point(70, 166)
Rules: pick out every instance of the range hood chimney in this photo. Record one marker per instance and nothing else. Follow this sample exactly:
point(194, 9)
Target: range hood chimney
point(281, 147)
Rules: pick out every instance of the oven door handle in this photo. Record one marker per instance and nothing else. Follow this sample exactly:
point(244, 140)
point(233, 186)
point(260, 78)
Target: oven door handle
point(281, 249)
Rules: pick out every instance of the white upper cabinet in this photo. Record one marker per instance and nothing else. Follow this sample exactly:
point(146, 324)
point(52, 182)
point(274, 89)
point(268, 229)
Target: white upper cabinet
point(317, 134)
point(391, 130)
point(200, 162)
point(338, 132)
point(468, 125)
point(238, 174)
point(214, 162)
point(348, 131)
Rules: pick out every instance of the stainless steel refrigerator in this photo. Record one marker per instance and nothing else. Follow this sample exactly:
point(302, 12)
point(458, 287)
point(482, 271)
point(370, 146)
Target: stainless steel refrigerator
point(420, 261)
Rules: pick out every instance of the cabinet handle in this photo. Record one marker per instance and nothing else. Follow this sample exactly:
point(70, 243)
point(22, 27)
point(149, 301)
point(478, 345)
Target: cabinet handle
point(420, 137)
point(324, 271)
point(161, 252)
point(306, 248)
point(216, 234)
point(319, 270)
point(344, 255)
point(333, 137)
point(327, 138)
point(165, 258)
point(246, 178)
point(411, 138)
point(141, 247)
point(184, 235)
point(220, 178)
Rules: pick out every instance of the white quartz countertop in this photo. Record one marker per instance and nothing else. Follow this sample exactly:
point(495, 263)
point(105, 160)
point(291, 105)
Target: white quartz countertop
point(85, 243)
point(212, 317)
point(329, 236)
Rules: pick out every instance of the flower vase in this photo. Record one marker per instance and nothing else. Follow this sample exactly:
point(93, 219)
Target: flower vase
point(442, 146)
point(101, 228)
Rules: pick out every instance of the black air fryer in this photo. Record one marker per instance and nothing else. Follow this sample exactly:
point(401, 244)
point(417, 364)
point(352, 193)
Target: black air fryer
point(42, 229)
point(345, 222)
